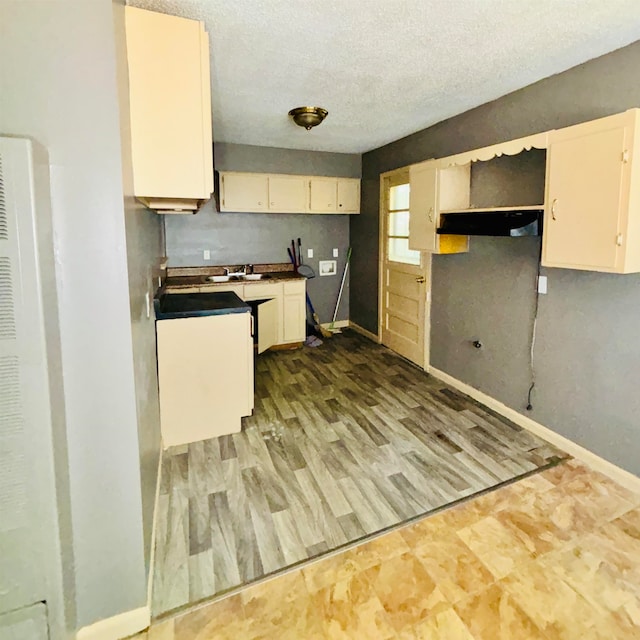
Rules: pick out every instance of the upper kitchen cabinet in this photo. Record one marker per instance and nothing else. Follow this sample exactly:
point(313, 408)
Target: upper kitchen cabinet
point(170, 109)
point(287, 194)
point(348, 195)
point(323, 195)
point(592, 211)
point(334, 195)
point(244, 192)
point(283, 193)
point(433, 189)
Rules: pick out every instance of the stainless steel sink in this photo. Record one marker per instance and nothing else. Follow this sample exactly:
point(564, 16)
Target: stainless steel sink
point(255, 276)
point(239, 278)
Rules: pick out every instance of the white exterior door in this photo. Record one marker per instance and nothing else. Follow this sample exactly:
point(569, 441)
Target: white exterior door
point(405, 276)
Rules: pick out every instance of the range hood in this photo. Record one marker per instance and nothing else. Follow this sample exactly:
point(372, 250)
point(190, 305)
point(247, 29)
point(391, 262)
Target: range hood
point(491, 222)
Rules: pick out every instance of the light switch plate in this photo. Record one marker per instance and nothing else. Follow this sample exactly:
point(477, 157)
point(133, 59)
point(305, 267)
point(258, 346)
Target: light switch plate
point(542, 284)
point(328, 267)
point(309, 253)
point(335, 253)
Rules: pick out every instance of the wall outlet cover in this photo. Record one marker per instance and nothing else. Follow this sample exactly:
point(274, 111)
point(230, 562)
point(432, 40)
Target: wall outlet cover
point(542, 284)
point(328, 267)
point(309, 253)
point(335, 253)
point(206, 254)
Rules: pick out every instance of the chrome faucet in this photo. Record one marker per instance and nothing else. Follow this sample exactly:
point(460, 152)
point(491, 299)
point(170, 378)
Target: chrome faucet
point(231, 274)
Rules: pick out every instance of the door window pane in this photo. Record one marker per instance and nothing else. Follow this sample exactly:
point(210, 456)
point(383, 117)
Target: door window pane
point(399, 197)
point(399, 251)
point(399, 223)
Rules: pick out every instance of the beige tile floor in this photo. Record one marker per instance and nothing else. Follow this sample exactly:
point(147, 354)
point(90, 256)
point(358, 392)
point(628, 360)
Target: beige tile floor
point(553, 556)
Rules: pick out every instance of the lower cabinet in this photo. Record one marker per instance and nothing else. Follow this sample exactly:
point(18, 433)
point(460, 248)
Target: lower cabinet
point(205, 371)
point(281, 315)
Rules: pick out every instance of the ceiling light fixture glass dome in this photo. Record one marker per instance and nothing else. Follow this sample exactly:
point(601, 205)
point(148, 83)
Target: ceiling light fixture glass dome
point(308, 117)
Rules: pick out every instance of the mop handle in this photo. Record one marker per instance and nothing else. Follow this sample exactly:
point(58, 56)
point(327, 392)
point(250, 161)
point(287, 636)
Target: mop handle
point(344, 277)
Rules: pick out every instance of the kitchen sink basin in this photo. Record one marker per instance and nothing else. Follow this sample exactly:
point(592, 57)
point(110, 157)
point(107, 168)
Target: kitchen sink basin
point(256, 276)
point(248, 276)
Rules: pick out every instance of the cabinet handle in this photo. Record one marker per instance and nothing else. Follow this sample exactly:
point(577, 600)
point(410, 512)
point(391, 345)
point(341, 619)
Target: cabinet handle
point(553, 209)
point(273, 204)
point(260, 203)
point(430, 214)
point(340, 205)
point(420, 280)
point(619, 239)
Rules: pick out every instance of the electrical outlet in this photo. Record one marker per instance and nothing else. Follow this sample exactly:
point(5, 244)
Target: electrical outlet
point(309, 253)
point(206, 254)
point(542, 284)
point(335, 253)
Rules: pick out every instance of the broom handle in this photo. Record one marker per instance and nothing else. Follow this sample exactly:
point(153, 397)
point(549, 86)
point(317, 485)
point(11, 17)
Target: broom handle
point(344, 277)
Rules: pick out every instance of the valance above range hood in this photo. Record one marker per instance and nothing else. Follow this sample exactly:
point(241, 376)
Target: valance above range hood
point(507, 222)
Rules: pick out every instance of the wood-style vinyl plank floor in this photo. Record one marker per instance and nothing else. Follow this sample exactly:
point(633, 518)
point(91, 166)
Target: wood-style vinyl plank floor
point(346, 440)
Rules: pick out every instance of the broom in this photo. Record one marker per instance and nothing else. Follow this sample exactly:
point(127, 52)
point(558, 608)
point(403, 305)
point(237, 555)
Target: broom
point(332, 328)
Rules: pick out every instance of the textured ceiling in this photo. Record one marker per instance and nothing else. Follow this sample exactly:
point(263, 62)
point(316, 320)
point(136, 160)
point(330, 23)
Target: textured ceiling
point(385, 68)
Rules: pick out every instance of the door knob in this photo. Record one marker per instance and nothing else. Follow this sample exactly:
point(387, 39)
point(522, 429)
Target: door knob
point(421, 279)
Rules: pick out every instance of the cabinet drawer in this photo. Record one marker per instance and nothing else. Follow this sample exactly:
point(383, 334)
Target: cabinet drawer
point(294, 287)
point(255, 291)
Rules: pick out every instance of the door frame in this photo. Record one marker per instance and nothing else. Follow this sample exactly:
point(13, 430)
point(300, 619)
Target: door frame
point(390, 176)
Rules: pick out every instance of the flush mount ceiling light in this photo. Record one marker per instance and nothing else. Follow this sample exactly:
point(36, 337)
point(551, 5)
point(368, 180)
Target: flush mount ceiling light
point(308, 117)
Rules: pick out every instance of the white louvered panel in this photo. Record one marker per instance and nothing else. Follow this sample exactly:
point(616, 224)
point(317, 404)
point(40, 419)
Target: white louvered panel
point(13, 480)
point(7, 312)
point(4, 233)
point(24, 403)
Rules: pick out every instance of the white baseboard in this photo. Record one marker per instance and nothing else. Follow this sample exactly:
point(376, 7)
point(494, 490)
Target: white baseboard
point(622, 477)
point(364, 332)
point(117, 627)
point(152, 552)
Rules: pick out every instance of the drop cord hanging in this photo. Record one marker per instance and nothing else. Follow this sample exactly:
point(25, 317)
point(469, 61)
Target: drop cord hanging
point(533, 332)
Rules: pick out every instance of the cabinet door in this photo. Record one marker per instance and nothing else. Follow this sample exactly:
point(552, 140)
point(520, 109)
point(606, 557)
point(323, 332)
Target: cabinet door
point(294, 318)
point(170, 107)
point(323, 195)
point(422, 208)
point(287, 194)
point(348, 195)
point(244, 192)
point(582, 216)
point(267, 324)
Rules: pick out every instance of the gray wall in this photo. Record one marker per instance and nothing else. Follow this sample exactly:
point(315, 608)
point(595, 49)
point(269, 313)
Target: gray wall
point(239, 238)
point(59, 87)
point(587, 351)
point(145, 250)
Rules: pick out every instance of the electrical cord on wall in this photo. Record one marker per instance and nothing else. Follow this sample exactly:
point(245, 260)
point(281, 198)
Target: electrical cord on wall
point(532, 370)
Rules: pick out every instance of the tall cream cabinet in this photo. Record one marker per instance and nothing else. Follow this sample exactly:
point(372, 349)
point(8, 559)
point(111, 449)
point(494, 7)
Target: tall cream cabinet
point(592, 213)
point(170, 110)
point(433, 189)
point(284, 193)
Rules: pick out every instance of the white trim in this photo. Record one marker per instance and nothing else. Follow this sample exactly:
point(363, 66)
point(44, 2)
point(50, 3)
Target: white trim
point(364, 332)
point(622, 477)
point(338, 324)
point(117, 627)
point(152, 551)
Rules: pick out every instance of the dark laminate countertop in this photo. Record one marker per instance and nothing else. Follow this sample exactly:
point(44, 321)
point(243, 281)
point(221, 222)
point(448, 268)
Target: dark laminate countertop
point(189, 277)
point(188, 305)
